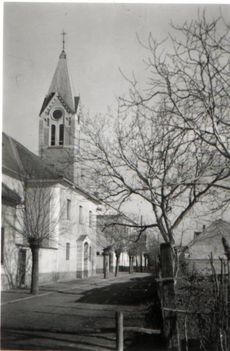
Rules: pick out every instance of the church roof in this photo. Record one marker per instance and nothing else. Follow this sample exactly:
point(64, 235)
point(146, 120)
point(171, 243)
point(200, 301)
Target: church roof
point(62, 86)
point(20, 162)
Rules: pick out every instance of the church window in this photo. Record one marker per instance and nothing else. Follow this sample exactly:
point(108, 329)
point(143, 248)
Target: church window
point(53, 132)
point(68, 208)
point(48, 122)
point(80, 214)
point(57, 114)
point(90, 219)
point(2, 245)
point(61, 134)
point(67, 253)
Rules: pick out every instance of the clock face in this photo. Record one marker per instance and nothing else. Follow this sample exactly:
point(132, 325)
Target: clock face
point(57, 114)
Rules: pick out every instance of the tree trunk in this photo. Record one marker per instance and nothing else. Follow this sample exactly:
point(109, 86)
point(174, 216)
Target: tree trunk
point(130, 264)
point(34, 288)
point(106, 263)
point(110, 262)
point(117, 263)
point(137, 266)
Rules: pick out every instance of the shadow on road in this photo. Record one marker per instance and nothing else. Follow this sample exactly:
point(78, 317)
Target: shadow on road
point(43, 340)
point(137, 291)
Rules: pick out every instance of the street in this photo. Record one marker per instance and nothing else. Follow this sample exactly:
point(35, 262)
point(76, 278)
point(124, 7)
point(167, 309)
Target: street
point(76, 315)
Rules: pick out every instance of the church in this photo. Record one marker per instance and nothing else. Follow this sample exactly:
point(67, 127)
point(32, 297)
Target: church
point(69, 212)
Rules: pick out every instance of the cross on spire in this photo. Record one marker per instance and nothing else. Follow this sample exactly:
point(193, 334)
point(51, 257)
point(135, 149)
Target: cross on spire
point(63, 40)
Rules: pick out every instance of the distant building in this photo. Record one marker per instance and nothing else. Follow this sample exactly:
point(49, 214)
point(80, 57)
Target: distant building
point(72, 251)
point(115, 232)
point(213, 240)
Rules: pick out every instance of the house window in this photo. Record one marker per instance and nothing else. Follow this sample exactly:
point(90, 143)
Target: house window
point(68, 208)
point(90, 219)
point(53, 132)
point(67, 253)
point(80, 214)
point(61, 134)
point(2, 245)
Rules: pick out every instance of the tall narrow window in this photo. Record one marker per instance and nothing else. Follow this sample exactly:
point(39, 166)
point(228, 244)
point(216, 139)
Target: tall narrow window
point(61, 134)
point(67, 253)
point(68, 208)
point(53, 132)
point(80, 214)
point(2, 245)
point(90, 219)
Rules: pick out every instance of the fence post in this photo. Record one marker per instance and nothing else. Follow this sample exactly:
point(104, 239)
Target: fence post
point(168, 291)
point(119, 331)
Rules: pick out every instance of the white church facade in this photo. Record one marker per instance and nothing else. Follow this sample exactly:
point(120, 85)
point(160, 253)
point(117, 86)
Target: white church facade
point(70, 250)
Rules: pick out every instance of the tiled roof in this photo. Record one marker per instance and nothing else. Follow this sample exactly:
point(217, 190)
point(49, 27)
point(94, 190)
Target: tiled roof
point(219, 228)
point(10, 196)
point(19, 161)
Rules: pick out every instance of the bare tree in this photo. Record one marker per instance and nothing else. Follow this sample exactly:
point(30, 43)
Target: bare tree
point(149, 150)
point(36, 221)
point(193, 78)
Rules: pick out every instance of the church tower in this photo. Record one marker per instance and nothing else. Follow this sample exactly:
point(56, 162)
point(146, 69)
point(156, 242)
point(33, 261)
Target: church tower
point(59, 125)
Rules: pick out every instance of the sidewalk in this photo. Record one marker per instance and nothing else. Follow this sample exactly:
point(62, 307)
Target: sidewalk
point(15, 295)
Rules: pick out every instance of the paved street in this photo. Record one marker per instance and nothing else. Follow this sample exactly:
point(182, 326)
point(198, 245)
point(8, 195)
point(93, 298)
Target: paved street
point(76, 315)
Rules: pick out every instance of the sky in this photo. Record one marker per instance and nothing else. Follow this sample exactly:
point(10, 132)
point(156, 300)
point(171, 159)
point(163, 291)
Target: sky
point(101, 39)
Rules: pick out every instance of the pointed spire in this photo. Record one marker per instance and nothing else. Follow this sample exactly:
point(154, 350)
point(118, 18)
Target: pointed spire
point(63, 40)
point(61, 81)
point(63, 54)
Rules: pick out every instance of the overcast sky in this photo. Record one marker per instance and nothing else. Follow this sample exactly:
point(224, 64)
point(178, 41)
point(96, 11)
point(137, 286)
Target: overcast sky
point(100, 39)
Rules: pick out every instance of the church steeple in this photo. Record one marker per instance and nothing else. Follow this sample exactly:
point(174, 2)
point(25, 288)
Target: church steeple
point(59, 128)
point(61, 82)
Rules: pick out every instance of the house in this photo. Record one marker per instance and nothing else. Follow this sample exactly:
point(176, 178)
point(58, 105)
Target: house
point(213, 240)
point(52, 180)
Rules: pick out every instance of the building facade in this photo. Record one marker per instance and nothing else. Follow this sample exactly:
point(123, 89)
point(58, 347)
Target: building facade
point(69, 212)
point(212, 242)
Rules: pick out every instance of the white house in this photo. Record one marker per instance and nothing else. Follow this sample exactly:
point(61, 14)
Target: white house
point(212, 241)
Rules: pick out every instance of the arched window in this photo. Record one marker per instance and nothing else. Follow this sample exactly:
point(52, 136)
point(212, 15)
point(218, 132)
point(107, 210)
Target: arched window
point(61, 134)
point(90, 219)
point(80, 214)
point(53, 132)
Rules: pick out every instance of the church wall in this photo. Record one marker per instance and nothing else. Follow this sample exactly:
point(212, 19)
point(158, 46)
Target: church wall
point(71, 265)
point(48, 265)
